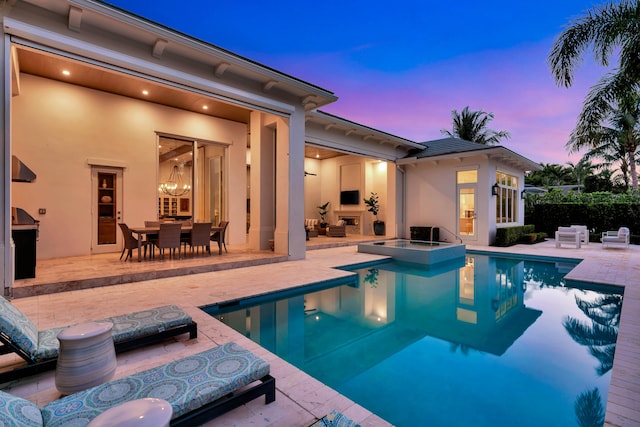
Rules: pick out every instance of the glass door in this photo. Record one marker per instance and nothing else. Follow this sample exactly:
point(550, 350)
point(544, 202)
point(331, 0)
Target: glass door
point(106, 186)
point(467, 211)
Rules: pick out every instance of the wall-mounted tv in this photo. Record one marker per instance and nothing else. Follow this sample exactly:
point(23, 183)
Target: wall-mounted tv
point(350, 197)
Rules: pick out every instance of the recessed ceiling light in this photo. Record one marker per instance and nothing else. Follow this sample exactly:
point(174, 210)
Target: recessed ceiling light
point(145, 92)
point(66, 72)
point(317, 155)
point(205, 107)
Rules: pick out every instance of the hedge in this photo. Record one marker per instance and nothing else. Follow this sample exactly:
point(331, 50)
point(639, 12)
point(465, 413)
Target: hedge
point(600, 212)
point(507, 236)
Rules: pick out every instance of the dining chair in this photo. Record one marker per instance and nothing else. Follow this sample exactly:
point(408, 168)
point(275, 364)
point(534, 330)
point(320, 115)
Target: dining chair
point(219, 236)
point(168, 238)
point(199, 237)
point(130, 242)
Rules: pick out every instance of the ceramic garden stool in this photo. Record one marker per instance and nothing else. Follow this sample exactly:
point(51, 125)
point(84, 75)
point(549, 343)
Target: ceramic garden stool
point(87, 356)
point(147, 412)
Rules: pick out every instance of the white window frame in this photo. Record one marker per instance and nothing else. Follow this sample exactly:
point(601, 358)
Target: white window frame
point(507, 200)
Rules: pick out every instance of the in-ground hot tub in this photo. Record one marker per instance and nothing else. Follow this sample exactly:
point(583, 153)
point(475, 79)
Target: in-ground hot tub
point(416, 251)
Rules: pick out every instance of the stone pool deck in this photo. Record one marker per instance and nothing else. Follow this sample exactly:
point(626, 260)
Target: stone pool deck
point(300, 398)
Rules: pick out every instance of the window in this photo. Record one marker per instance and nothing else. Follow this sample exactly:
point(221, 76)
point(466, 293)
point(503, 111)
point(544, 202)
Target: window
point(507, 199)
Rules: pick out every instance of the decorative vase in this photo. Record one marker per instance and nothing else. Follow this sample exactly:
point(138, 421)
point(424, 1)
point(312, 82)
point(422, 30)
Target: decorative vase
point(106, 199)
point(104, 183)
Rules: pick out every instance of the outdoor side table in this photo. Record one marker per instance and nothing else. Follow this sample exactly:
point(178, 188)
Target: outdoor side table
point(148, 412)
point(87, 356)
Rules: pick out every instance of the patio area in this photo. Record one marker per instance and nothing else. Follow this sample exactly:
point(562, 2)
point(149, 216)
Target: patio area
point(300, 398)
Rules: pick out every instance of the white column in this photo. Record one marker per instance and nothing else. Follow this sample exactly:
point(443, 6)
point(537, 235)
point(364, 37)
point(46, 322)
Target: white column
point(6, 258)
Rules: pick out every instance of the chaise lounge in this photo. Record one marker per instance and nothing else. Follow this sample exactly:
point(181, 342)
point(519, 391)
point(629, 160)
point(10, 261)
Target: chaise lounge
point(198, 387)
point(19, 335)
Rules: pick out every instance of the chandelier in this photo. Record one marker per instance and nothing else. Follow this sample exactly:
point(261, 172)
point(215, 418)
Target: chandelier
point(175, 185)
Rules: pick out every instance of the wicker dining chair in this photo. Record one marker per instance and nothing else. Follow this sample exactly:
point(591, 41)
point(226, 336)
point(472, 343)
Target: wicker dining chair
point(219, 236)
point(199, 237)
point(131, 243)
point(169, 238)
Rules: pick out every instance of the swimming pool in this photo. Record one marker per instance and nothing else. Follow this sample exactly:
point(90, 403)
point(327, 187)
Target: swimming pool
point(493, 342)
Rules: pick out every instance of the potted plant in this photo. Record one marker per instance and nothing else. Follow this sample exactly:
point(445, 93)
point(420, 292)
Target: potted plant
point(323, 210)
point(373, 206)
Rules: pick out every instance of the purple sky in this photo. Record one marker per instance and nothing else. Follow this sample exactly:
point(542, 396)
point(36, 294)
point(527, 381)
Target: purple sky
point(401, 67)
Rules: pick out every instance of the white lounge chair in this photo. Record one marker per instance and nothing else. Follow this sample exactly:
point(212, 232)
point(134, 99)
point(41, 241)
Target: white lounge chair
point(584, 233)
point(620, 237)
point(569, 235)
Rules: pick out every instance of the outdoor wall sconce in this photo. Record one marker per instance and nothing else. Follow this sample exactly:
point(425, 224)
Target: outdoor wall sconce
point(523, 194)
point(495, 189)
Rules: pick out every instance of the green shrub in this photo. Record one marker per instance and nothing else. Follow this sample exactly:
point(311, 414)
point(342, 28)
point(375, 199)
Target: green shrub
point(600, 211)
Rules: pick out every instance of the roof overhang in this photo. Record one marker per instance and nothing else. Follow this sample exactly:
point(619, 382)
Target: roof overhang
point(95, 20)
point(498, 153)
point(328, 130)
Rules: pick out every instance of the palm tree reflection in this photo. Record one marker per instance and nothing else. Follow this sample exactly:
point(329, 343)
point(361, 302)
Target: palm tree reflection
point(589, 409)
point(600, 336)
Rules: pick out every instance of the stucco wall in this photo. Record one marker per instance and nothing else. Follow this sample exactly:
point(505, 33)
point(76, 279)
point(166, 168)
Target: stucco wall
point(56, 127)
point(431, 196)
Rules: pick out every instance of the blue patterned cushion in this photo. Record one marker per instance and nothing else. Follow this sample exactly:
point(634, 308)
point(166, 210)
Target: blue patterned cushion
point(18, 412)
point(334, 419)
point(18, 327)
point(186, 384)
point(125, 327)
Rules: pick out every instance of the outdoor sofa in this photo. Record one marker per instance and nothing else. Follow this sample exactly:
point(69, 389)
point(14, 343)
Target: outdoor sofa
point(198, 387)
point(19, 335)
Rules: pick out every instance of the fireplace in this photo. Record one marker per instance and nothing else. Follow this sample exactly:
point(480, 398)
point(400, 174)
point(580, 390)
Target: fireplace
point(352, 220)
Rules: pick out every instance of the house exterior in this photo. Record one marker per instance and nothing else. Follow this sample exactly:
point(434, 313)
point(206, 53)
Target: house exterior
point(465, 189)
point(110, 111)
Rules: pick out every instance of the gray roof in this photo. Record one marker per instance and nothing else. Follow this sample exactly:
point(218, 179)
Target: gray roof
point(456, 147)
point(438, 147)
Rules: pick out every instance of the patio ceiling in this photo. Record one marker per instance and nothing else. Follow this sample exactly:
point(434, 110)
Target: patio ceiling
point(50, 66)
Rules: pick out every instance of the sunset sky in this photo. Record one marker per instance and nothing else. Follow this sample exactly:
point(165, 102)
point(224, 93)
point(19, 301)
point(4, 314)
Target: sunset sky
point(402, 66)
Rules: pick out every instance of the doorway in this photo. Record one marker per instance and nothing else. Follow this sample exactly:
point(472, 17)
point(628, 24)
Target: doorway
point(467, 217)
point(106, 212)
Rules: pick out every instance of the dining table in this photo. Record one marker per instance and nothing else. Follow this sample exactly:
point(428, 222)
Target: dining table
point(184, 230)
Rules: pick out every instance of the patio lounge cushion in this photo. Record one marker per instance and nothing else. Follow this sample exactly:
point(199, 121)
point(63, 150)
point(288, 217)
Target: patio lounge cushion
point(126, 327)
point(18, 327)
point(18, 412)
point(334, 419)
point(188, 384)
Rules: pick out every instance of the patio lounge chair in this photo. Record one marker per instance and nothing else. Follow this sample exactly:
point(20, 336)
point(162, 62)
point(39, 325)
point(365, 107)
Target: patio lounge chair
point(19, 335)
point(338, 230)
point(198, 387)
point(569, 235)
point(620, 237)
point(584, 233)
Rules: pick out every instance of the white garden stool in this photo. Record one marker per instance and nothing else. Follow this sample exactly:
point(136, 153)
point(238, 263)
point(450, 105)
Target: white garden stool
point(87, 356)
point(148, 412)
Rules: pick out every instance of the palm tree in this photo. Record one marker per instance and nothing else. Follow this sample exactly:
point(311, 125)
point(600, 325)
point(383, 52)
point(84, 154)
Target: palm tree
point(472, 126)
point(611, 154)
point(604, 123)
point(580, 171)
point(609, 29)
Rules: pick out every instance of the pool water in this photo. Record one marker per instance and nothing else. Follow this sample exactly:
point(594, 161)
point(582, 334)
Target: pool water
point(492, 342)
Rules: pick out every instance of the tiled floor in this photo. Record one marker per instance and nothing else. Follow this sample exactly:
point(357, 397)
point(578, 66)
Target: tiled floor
point(300, 398)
